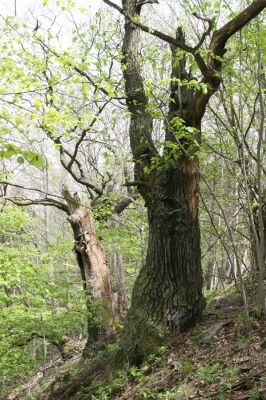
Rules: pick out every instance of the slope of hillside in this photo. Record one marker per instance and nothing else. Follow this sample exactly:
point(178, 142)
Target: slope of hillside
point(223, 357)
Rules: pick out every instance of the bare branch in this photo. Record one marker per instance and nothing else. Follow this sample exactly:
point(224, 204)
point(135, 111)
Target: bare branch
point(45, 202)
point(167, 38)
point(83, 181)
point(206, 33)
point(123, 203)
point(30, 189)
point(84, 132)
point(79, 71)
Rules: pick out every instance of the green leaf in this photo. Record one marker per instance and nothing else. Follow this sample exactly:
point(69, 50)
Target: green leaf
point(37, 161)
point(20, 160)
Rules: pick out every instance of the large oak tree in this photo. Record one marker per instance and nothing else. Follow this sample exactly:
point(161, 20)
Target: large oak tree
point(167, 295)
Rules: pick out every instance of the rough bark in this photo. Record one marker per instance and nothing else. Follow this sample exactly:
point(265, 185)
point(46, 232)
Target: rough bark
point(93, 267)
point(167, 295)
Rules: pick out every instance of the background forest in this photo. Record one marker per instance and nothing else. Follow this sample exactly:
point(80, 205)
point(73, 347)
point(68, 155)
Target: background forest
point(67, 170)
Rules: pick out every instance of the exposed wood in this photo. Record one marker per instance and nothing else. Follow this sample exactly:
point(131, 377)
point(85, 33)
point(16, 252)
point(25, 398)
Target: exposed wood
point(92, 262)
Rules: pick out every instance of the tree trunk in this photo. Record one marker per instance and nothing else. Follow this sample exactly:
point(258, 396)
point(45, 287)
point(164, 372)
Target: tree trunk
point(119, 289)
point(94, 270)
point(167, 296)
point(211, 276)
point(261, 257)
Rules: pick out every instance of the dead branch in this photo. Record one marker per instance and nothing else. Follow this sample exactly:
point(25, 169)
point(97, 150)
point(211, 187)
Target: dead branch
point(23, 202)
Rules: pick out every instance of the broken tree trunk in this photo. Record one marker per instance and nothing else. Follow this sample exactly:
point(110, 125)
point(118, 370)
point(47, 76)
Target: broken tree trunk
point(93, 267)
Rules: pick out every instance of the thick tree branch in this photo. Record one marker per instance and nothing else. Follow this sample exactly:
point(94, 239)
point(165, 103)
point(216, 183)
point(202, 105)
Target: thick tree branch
point(47, 201)
point(30, 189)
point(141, 123)
point(123, 203)
point(221, 36)
point(211, 71)
point(217, 51)
point(167, 38)
point(160, 35)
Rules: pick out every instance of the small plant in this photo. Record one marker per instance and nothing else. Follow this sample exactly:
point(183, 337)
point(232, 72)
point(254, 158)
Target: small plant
point(82, 392)
point(209, 372)
point(106, 391)
point(172, 394)
point(153, 358)
point(242, 317)
point(222, 396)
point(198, 336)
point(147, 394)
point(226, 383)
point(186, 368)
point(231, 371)
point(134, 374)
point(169, 395)
point(244, 340)
point(253, 395)
point(100, 396)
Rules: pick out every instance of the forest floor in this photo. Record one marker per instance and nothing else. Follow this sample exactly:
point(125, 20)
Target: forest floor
point(223, 357)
